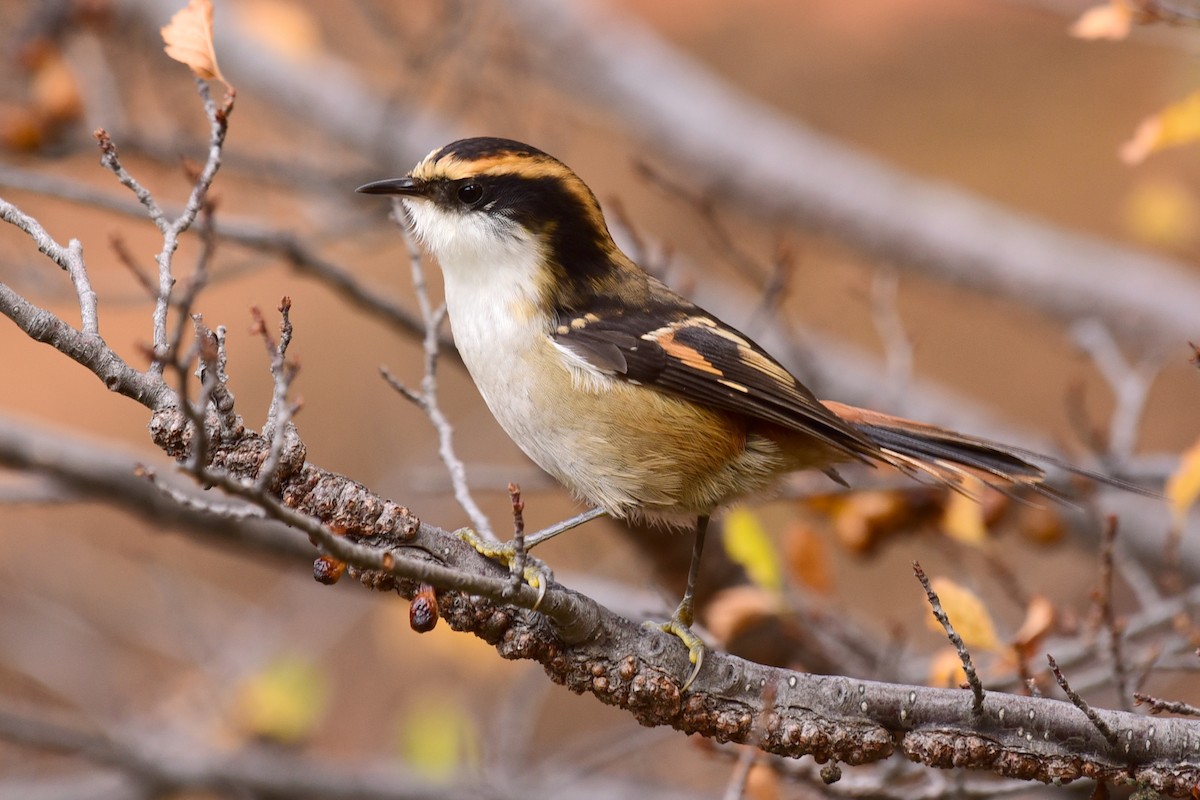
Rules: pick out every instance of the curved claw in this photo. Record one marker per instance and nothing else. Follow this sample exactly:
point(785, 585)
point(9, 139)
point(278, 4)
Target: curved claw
point(536, 573)
point(678, 627)
point(541, 590)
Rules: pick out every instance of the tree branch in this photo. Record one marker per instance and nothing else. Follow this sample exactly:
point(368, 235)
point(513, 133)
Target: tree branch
point(762, 160)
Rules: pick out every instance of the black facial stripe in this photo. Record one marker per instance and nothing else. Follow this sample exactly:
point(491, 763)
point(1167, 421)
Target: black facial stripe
point(546, 206)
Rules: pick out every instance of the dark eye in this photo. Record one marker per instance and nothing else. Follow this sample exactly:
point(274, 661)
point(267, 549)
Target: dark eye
point(470, 193)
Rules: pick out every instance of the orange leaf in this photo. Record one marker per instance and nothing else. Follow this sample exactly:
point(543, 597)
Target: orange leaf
point(967, 614)
point(807, 559)
point(1111, 21)
point(189, 40)
point(1039, 618)
point(733, 610)
point(946, 669)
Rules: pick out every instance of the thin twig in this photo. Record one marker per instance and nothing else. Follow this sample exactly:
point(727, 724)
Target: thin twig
point(279, 415)
point(1160, 706)
point(427, 398)
point(735, 789)
point(1081, 704)
point(70, 258)
point(893, 335)
point(201, 504)
point(520, 554)
point(1130, 383)
point(1111, 624)
point(959, 646)
point(172, 229)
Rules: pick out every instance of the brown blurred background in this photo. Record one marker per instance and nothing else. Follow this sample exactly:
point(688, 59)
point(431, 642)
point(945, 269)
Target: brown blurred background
point(110, 620)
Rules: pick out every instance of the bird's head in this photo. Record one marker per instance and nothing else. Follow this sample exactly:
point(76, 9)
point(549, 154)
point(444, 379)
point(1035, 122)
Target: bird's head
point(481, 203)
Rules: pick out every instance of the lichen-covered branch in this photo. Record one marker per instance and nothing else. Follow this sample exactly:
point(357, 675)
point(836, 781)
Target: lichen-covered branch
point(589, 649)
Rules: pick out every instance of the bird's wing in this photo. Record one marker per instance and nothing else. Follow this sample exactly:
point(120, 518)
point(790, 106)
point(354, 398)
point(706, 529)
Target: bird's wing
point(686, 352)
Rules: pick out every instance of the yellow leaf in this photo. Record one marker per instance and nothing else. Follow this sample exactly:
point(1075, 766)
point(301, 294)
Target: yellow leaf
point(967, 614)
point(284, 701)
point(189, 40)
point(747, 543)
point(1162, 212)
point(1110, 21)
point(438, 739)
point(962, 518)
point(284, 27)
point(1178, 123)
point(1183, 487)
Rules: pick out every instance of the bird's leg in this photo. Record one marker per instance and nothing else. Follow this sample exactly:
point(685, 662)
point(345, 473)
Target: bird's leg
point(535, 573)
point(681, 621)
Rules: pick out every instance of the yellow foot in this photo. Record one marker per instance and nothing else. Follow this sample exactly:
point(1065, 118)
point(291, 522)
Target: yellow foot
point(535, 572)
point(680, 625)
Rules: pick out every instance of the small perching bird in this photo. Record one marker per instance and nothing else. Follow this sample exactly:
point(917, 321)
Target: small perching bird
point(640, 402)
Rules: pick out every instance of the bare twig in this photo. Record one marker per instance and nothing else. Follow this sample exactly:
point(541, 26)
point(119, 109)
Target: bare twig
point(257, 237)
point(277, 427)
point(1130, 383)
point(1111, 624)
point(238, 512)
point(427, 398)
point(70, 258)
point(963, 654)
point(893, 335)
point(521, 555)
point(1082, 704)
point(173, 229)
point(735, 789)
point(1160, 706)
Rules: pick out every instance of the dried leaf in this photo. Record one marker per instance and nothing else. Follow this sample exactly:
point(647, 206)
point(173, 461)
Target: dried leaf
point(963, 517)
point(1178, 123)
point(946, 669)
point(807, 558)
point(54, 90)
point(284, 701)
point(1111, 21)
point(1183, 487)
point(762, 781)
point(189, 40)
point(1042, 524)
point(1039, 619)
point(732, 610)
point(967, 614)
point(862, 519)
point(747, 543)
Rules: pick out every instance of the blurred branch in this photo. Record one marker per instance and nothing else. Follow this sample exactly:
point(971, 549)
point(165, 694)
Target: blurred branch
point(154, 761)
point(261, 238)
point(759, 159)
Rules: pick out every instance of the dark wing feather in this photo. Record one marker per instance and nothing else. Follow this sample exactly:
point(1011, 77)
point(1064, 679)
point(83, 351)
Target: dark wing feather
point(687, 353)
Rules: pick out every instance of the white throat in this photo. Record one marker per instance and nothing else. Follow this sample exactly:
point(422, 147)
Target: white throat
point(492, 270)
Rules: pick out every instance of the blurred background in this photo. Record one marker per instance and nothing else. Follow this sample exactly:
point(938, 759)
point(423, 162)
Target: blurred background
point(132, 630)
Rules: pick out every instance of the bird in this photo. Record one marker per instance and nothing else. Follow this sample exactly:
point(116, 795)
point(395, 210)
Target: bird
point(641, 403)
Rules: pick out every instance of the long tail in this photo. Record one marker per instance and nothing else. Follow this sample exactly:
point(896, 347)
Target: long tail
point(947, 457)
